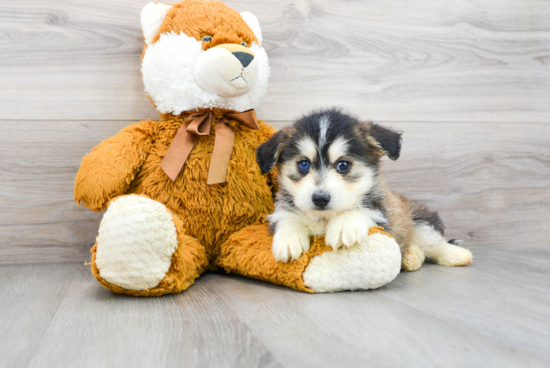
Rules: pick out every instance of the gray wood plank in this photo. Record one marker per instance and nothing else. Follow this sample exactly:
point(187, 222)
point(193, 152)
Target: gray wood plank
point(431, 61)
point(488, 181)
point(510, 293)
point(451, 317)
point(30, 296)
point(92, 327)
point(38, 164)
point(491, 314)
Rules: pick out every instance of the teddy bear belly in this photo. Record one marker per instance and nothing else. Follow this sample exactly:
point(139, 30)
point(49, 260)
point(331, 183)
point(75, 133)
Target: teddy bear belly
point(210, 213)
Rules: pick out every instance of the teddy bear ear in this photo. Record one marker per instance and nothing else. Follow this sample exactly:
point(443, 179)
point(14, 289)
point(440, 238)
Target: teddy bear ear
point(253, 23)
point(152, 15)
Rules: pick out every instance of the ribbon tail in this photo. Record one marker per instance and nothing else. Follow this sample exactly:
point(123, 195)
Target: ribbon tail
point(177, 153)
point(221, 154)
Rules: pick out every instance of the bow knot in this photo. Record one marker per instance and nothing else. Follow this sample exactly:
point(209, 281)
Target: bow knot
point(198, 124)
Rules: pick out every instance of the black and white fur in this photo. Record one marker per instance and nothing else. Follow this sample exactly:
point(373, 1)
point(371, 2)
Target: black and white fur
point(329, 183)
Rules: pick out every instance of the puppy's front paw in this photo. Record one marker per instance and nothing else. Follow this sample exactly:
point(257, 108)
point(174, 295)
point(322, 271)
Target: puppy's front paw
point(346, 230)
point(288, 245)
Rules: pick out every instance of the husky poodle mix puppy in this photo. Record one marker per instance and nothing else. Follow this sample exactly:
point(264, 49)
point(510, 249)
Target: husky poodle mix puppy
point(329, 183)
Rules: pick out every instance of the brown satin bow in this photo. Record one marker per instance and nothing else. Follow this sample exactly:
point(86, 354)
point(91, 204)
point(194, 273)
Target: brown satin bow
point(199, 124)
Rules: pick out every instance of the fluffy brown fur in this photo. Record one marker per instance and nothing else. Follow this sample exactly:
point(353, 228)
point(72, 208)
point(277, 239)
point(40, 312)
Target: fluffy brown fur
point(205, 215)
point(198, 18)
point(210, 213)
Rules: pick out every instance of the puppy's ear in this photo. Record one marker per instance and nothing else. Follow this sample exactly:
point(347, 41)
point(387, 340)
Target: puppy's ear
point(388, 140)
point(268, 153)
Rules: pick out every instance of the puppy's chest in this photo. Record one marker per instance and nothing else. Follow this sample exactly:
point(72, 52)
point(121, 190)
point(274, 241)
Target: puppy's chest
point(316, 227)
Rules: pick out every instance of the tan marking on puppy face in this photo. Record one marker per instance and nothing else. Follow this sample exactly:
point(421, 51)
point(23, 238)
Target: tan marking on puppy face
point(337, 149)
point(197, 18)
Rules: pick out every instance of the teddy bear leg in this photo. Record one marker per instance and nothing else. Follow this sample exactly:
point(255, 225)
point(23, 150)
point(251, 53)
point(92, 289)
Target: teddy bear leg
point(364, 266)
point(142, 250)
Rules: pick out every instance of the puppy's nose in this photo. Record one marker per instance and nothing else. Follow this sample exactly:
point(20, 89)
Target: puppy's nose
point(321, 199)
point(244, 58)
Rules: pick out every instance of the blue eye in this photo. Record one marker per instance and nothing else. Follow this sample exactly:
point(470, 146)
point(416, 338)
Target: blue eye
point(343, 167)
point(244, 44)
point(206, 39)
point(303, 165)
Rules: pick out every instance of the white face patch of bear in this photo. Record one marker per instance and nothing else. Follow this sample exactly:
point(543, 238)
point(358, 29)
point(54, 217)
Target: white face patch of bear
point(173, 65)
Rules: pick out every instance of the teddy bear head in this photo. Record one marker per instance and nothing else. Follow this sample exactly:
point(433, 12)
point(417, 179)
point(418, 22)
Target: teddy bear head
point(202, 54)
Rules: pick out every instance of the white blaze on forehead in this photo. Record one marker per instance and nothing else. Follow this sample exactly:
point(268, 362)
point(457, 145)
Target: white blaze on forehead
point(337, 149)
point(324, 124)
point(307, 148)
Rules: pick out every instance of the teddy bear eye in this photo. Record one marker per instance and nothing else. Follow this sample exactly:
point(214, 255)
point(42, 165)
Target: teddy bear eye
point(206, 38)
point(244, 44)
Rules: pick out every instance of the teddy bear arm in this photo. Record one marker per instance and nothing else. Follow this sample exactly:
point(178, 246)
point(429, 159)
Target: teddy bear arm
point(368, 265)
point(110, 167)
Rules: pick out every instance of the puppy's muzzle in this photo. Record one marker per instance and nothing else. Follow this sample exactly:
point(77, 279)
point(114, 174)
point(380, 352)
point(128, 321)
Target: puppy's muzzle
point(320, 199)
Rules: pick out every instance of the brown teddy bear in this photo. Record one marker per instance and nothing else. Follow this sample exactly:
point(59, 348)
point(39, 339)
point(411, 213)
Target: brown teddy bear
point(185, 195)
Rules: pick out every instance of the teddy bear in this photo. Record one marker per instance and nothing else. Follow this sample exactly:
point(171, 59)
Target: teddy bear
point(184, 195)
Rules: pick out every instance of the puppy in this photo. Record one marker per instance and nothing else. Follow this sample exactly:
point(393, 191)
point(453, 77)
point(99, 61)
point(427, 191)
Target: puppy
point(329, 183)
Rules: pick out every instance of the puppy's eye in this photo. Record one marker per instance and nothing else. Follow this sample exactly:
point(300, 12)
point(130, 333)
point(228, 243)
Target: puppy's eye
point(303, 166)
point(244, 44)
point(206, 38)
point(343, 167)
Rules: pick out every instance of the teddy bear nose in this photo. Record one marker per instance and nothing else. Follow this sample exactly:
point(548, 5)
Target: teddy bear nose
point(244, 58)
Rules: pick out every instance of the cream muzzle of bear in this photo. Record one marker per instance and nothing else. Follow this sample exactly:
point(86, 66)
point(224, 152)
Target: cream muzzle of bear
point(227, 70)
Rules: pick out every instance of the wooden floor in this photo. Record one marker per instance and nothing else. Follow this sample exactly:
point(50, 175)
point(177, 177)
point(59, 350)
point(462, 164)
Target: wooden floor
point(494, 313)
